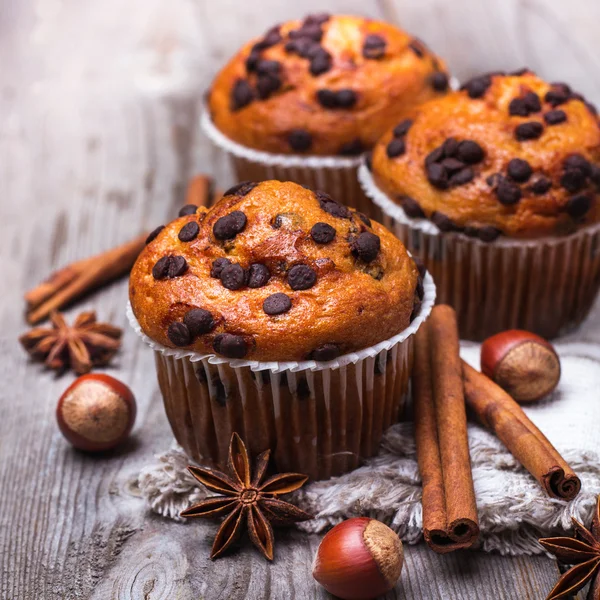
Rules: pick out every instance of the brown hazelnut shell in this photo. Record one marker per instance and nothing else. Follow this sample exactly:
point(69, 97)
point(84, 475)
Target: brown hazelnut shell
point(359, 558)
point(83, 421)
point(522, 363)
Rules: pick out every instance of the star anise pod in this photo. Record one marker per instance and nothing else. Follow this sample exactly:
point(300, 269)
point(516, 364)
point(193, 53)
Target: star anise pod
point(583, 551)
point(247, 500)
point(80, 346)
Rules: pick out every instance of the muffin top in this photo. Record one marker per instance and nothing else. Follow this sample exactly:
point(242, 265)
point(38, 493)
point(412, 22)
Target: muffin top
point(328, 85)
point(508, 154)
point(274, 271)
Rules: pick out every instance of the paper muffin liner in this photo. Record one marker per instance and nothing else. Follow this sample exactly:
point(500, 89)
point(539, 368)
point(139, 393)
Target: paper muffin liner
point(546, 285)
point(336, 175)
point(319, 418)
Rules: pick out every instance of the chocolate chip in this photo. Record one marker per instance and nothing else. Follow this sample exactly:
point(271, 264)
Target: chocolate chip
point(227, 227)
point(318, 18)
point(578, 206)
point(450, 147)
point(229, 345)
point(189, 231)
point(396, 147)
point(417, 48)
point(346, 98)
point(169, 267)
point(352, 148)
point(217, 267)
point(179, 334)
point(595, 174)
point(439, 81)
point(518, 108)
point(507, 193)
point(554, 117)
point(437, 176)
point(329, 205)
point(320, 64)
point(573, 180)
point(402, 128)
point(301, 277)
point(310, 30)
point(366, 246)
point(233, 277)
point(272, 37)
point(258, 275)
point(519, 170)
point(366, 219)
point(268, 67)
point(471, 231)
point(154, 233)
point(462, 177)
point(520, 72)
point(443, 222)
point(267, 85)
point(240, 189)
point(452, 164)
point(411, 207)
point(301, 46)
point(276, 304)
point(592, 108)
point(325, 352)
point(252, 60)
point(299, 140)
point(198, 321)
point(531, 130)
point(556, 97)
point(322, 233)
point(541, 185)
point(470, 152)
point(493, 179)
point(374, 46)
point(188, 209)
point(434, 156)
point(478, 86)
point(327, 98)
point(532, 102)
point(487, 233)
point(577, 161)
point(241, 94)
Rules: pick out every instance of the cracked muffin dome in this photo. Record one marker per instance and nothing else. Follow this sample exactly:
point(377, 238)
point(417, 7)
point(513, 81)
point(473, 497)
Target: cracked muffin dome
point(506, 155)
point(327, 85)
point(274, 271)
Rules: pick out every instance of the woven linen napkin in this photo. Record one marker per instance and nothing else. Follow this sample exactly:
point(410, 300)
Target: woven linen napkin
point(513, 509)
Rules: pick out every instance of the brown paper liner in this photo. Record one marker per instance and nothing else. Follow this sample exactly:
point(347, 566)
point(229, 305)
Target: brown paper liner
point(322, 423)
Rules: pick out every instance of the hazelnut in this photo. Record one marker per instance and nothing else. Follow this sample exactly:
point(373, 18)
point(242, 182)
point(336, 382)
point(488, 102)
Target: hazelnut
point(522, 363)
point(359, 558)
point(96, 412)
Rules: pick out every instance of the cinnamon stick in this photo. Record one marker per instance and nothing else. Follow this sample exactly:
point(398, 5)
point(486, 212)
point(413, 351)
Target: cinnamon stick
point(497, 411)
point(449, 508)
point(77, 279)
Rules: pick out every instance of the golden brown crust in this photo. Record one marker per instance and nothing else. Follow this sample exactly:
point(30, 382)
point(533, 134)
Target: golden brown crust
point(385, 88)
point(553, 192)
point(361, 296)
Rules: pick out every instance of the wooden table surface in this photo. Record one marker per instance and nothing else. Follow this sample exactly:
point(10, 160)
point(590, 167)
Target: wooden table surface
point(99, 103)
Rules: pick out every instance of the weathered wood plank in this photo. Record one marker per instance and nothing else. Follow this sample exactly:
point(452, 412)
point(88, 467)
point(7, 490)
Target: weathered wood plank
point(98, 136)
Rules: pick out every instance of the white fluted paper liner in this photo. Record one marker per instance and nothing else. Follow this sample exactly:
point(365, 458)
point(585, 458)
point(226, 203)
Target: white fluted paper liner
point(304, 365)
point(271, 158)
point(546, 285)
point(321, 419)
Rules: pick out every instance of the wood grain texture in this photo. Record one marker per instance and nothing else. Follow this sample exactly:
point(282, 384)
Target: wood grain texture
point(98, 110)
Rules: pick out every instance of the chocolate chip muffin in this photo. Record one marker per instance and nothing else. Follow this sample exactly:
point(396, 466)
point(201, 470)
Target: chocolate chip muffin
point(512, 162)
point(315, 291)
point(327, 86)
